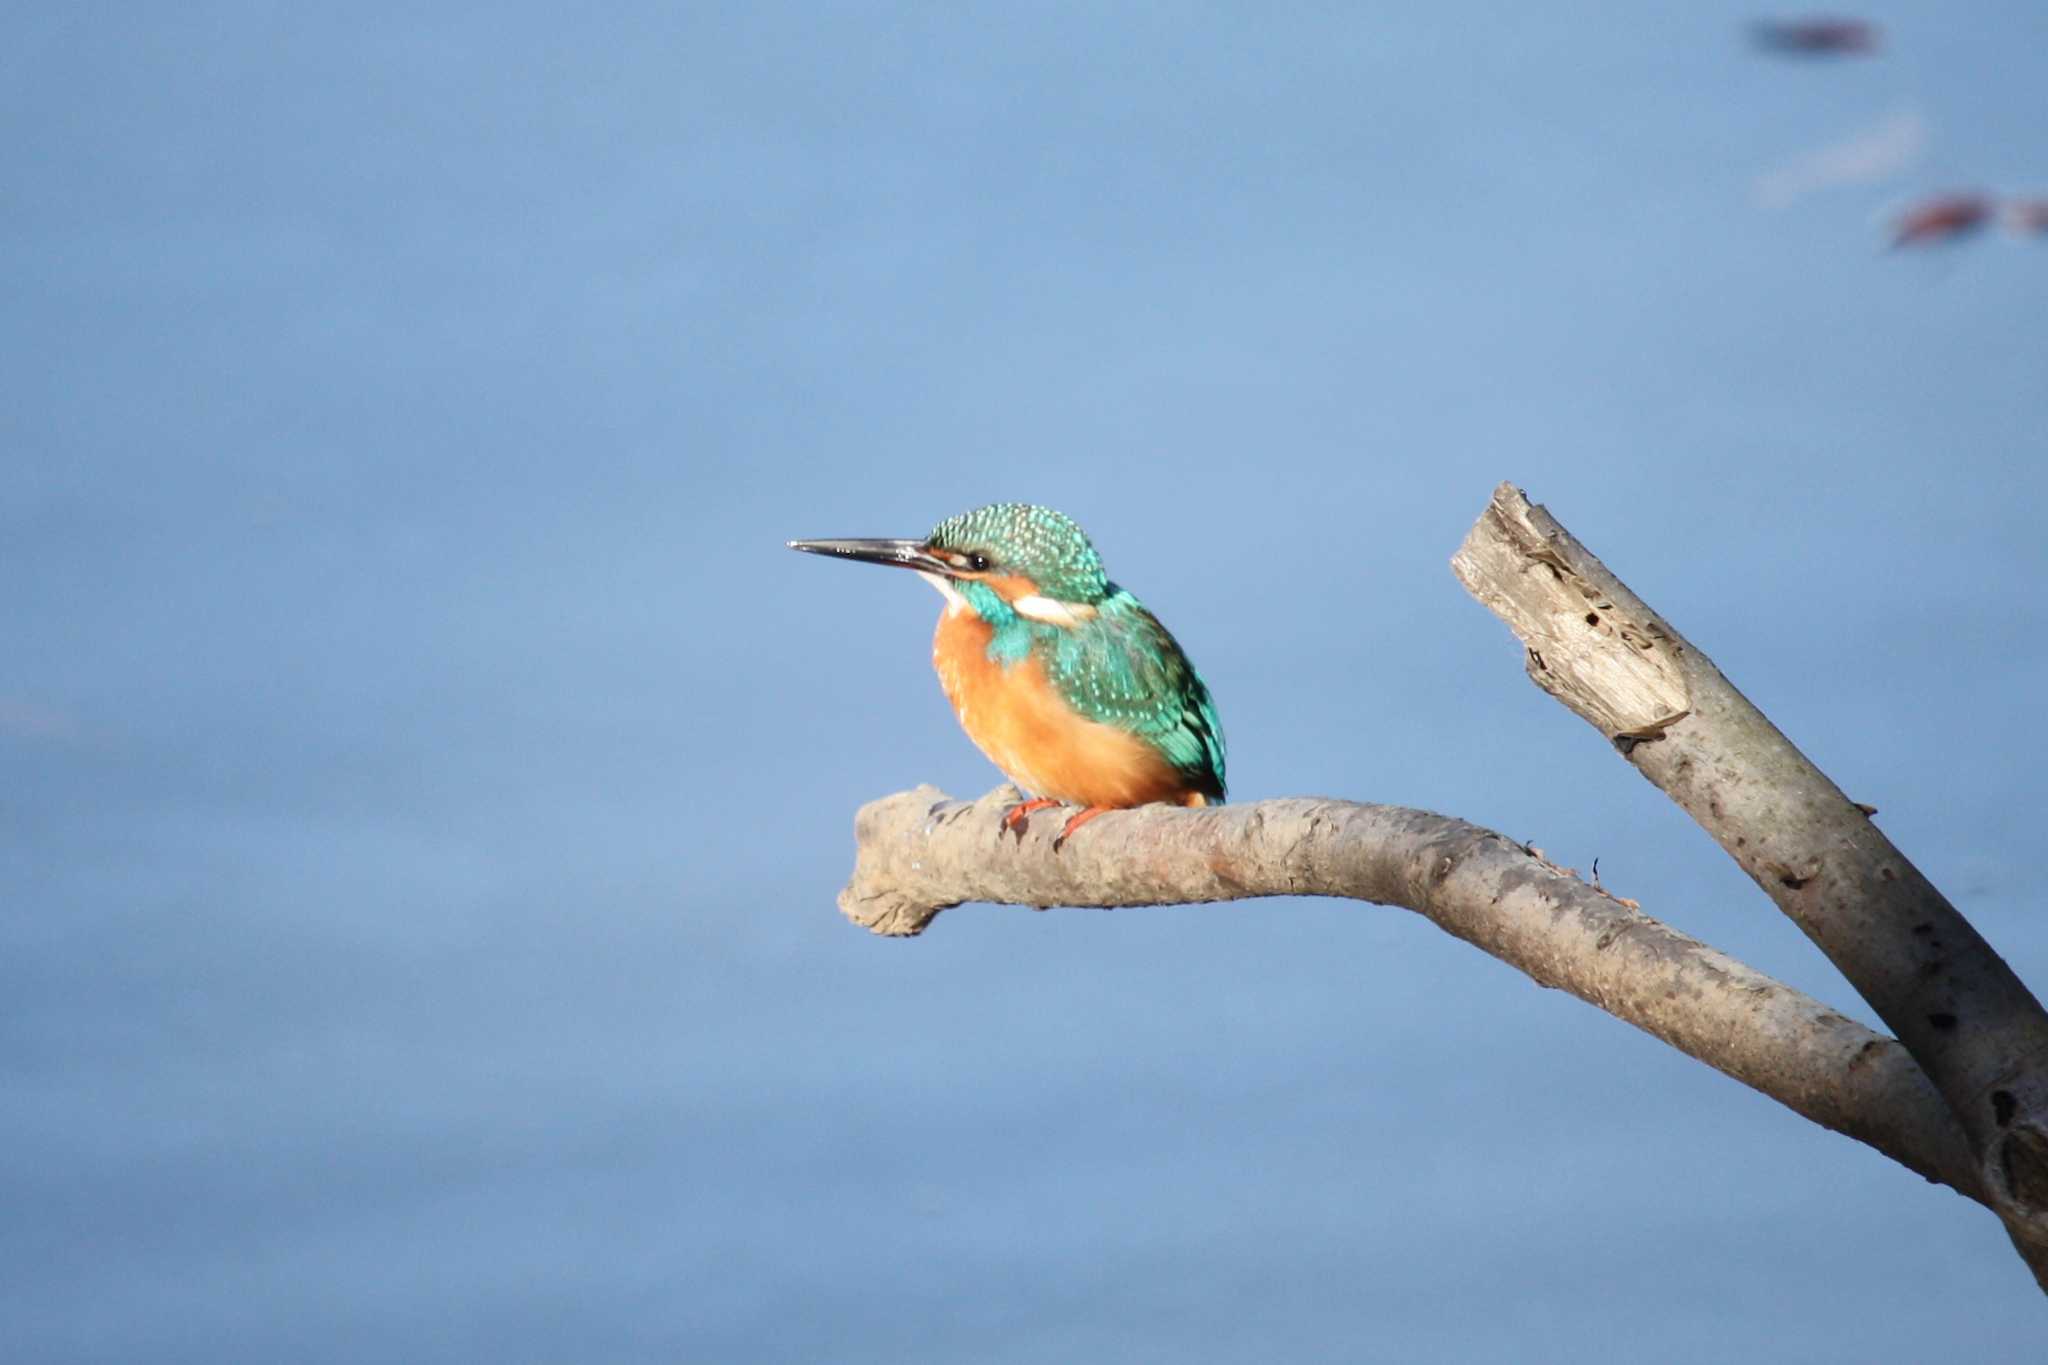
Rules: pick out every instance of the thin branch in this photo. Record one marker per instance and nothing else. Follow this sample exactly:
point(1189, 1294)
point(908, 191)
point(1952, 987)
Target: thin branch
point(1959, 1009)
point(921, 853)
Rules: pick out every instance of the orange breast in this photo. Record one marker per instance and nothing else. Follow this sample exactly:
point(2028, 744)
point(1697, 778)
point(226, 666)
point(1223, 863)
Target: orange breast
point(1015, 716)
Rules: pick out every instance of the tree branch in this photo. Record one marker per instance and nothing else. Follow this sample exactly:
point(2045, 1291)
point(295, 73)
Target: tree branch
point(1959, 1009)
point(1964, 1100)
point(921, 853)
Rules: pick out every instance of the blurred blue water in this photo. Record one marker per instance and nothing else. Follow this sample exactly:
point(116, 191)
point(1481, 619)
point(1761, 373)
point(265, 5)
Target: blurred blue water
point(424, 778)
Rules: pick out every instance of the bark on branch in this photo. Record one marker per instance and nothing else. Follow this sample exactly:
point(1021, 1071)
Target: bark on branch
point(1966, 1018)
point(1961, 1098)
point(921, 853)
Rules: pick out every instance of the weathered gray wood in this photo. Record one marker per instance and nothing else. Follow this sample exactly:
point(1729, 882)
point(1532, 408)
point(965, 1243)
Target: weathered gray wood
point(1966, 1021)
point(919, 853)
point(1971, 1024)
point(1602, 661)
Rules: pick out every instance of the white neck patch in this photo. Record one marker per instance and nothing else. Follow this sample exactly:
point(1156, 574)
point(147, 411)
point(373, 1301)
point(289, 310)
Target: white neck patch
point(1034, 607)
point(1052, 613)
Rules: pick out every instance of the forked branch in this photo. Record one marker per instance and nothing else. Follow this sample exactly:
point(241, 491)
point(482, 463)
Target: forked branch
point(920, 853)
point(1968, 1020)
point(1979, 1125)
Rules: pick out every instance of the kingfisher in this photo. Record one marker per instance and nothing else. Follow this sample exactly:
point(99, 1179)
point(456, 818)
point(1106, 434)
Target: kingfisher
point(1063, 679)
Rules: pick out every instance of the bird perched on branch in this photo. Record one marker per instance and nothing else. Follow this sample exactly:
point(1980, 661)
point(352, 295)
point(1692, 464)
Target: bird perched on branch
point(1061, 677)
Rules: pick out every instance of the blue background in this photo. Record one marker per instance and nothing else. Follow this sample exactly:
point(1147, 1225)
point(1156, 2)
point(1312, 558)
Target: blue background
point(424, 777)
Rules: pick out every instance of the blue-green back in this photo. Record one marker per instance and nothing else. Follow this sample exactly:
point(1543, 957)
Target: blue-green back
point(1123, 668)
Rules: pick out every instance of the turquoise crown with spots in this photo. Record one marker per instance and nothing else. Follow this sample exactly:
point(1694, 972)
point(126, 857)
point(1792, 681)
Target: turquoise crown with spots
point(1038, 543)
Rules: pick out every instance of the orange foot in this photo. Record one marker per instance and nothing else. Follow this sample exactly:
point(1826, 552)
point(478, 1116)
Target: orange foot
point(1014, 821)
point(1079, 820)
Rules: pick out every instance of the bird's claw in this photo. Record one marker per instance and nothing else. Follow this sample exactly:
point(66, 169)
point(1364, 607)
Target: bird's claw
point(1016, 821)
point(1080, 819)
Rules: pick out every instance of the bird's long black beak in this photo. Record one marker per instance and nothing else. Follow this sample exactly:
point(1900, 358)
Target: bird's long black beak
point(904, 554)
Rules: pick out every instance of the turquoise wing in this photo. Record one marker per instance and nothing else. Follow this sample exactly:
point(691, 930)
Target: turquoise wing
point(1124, 668)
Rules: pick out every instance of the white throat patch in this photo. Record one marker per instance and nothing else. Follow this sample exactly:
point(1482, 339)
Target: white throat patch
point(954, 601)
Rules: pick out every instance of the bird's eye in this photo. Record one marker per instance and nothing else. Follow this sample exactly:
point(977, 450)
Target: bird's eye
point(978, 562)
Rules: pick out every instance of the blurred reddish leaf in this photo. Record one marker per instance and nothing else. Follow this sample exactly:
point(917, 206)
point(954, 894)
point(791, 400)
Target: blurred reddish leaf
point(1942, 218)
point(2027, 217)
point(1816, 36)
